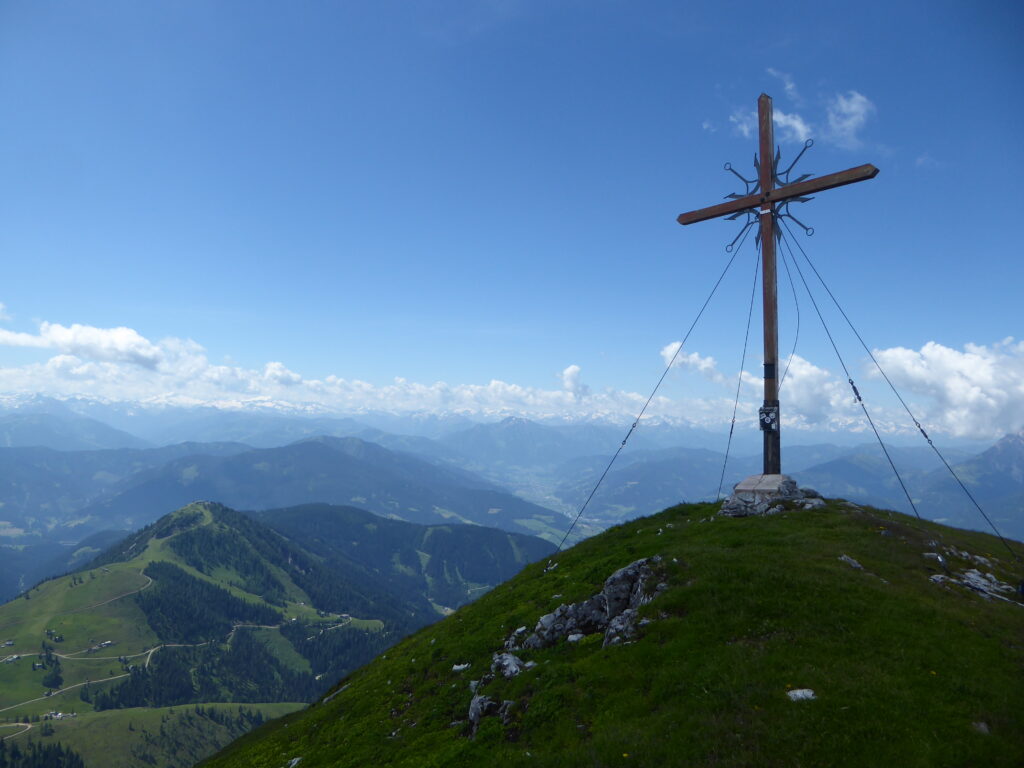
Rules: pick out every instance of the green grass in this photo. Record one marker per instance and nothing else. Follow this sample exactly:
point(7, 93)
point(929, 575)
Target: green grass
point(117, 738)
point(902, 667)
point(67, 701)
point(99, 609)
point(23, 619)
point(279, 646)
point(368, 625)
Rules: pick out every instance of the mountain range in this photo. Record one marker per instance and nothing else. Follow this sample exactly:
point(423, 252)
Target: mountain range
point(53, 501)
point(515, 474)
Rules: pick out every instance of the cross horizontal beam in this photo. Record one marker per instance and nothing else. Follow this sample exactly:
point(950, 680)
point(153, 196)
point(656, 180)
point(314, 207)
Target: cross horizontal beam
point(781, 194)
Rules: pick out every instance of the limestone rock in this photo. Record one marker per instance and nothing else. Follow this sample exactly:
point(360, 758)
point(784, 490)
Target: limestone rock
point(801, 694)
point(812, 503)
point(479, 708)
point(512, 643)
point(613, 611)
point(621, 628)
point(505, 711)
point(985, 584)
point(627, 589)
point(851, 562)
point(506, 664)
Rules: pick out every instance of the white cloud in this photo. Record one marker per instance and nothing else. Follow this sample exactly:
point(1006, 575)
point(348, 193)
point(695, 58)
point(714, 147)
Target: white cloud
point(4, 314)
point(278, 374)
point(573, 383)
point(790, 127)
point(847, 114)
point(706, 366)
point(977, 392)
point(814, 396)
point(113, 344)
point(793, 127)
point(708, 126)
point(844, 119)
point(787, 84)
point(745, 122)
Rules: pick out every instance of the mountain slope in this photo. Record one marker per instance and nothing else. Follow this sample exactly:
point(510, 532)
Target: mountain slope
point(995, 478)
point(449, 564)
point(208, 605)
point(907, 667)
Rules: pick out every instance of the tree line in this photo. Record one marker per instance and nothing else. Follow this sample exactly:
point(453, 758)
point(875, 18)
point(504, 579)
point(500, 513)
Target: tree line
point(34, 755)
point(183, 609)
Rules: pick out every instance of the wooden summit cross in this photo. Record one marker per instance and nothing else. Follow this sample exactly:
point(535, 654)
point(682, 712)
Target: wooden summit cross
point(763, 200)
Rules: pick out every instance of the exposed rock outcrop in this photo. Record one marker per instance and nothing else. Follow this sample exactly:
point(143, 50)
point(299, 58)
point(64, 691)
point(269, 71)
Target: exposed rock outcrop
point(851, 562)
point(612, 610)
point(507, 665)
point(479, 708)
point(985, 584)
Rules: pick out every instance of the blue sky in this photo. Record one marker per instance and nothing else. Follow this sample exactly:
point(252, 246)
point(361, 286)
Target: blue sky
point(302, 202)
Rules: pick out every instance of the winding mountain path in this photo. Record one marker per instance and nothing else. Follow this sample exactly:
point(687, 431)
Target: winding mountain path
point(62, 690)
point(149, 583)
point(25, 728)
point(148, 654)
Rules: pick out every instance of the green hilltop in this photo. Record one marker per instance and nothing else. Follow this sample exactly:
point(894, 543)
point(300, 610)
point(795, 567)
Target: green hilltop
point(843, 636)
point(200, 626)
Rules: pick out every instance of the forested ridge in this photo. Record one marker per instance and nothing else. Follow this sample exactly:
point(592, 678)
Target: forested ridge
point(244, 671)
point(183, 609)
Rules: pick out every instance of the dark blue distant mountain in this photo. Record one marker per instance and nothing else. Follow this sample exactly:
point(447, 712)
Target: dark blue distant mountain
point(329, 470)
point(62, 432)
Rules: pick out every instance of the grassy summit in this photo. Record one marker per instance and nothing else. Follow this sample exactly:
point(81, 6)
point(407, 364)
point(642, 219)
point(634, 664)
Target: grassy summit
point(905, 671)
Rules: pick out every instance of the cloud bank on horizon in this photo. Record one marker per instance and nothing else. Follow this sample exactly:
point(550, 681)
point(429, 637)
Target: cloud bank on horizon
point(977, 392)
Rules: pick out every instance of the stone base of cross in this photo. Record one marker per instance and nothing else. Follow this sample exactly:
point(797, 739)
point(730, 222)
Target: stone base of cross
point(761, 494)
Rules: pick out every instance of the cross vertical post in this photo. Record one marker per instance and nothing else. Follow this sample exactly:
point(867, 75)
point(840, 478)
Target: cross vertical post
point(766, 176)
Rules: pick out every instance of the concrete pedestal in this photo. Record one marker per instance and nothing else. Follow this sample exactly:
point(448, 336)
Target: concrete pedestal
point(760, 495)
point(758, 488)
